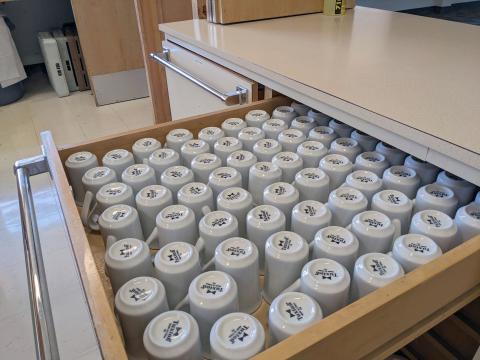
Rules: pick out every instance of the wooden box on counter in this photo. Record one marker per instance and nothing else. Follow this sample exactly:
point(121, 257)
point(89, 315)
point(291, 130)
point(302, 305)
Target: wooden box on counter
point(234, 11)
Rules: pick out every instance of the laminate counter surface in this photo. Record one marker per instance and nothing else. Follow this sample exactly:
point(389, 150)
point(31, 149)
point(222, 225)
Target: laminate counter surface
point(420, 72)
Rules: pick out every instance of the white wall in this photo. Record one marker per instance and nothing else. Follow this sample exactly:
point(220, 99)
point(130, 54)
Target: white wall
point(32, 16)
point(397, 5)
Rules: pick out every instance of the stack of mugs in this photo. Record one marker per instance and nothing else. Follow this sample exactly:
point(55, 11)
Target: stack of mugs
point(325, 213)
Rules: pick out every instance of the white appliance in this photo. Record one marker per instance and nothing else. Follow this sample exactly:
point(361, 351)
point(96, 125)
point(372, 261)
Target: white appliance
point(61, 40)
point(53, 63)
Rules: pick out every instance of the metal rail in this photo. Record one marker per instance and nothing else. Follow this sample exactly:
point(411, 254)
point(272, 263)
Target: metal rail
point(43, 328)
point(237, 97)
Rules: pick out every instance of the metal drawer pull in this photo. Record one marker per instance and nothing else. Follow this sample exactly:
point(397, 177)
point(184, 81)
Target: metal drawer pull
point(237, 97)
point(43, 328)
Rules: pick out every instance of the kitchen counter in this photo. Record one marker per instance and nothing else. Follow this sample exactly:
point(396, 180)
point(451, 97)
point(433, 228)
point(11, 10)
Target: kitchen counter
point(411, 81)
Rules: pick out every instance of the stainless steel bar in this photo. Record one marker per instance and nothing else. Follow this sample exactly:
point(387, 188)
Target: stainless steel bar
point(237, 97)
point(43, 328)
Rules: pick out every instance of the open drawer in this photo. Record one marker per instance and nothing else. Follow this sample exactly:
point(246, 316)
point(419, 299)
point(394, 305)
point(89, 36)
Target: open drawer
point(373, 327)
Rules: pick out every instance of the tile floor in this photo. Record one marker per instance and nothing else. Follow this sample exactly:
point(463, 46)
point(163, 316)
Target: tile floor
point(71, 119)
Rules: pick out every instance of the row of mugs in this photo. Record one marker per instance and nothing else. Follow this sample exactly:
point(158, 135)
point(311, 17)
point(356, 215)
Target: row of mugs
point(320, 287)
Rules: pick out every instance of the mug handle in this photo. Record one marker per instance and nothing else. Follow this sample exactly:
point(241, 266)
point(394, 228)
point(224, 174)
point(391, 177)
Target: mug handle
point(183, 303)
point(200, 247)
point(109, 241)
point(349, 227)
point(209, 264)
point(398, 228)
point(294, 287)
point(206, 209)
point(87, 203)
point(152, 236)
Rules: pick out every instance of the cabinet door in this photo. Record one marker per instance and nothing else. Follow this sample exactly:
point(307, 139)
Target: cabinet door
point(188, 99)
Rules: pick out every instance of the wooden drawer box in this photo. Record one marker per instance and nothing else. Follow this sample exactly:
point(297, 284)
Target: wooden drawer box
point(372, 327)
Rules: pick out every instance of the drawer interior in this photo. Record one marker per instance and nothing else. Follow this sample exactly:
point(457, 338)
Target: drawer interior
point(374, 326)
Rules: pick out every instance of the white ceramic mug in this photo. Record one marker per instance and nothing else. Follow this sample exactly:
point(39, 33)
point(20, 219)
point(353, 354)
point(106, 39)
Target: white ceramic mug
point(436, 225)
point(192, 148)
point(414, 250)
point(76, 165)
point(260, 176)
point(347, 147)
point(223, 178)
point(283, 196)
point(176, 264)
point(266, 149)
point(232, 126)
point(464, 190)
point(374, 271)
point(285, 254)
point(375, 231)
point(290, 139)
point(161, 159)
point(403, 179)
point(173, 223)
point(311, 152)
point(202, 166)
point(323, 134)
point(365, 141)
point(467, 219)
point(236, 336)
point(426, 171)
point(285, 113)
point(137, 302)
point(263, 221)
point(343, 130)
point(225, 146)
point(303, 123)
point(119, 222)
point(436, 197)
point(394, 204)
point(290, 313)
point(92, 180)
point(210, 135)
point(215, 227)
point(393, 155)
point(337, 167)
point(173, 335)
point(249, 136)
point(327, 282)
point(290, 163)
point(127, 259)
point(238, 257)
point(371, 161)
point(345, 203)
point(242, 161)
point(118, 160)
point(143, 148)
point(336, 243)
point(211, 295)
point(198, 197)
point(365, 181)
point(150, 201)
point(175, 177)
point(114, 194)
point(238, 202)
point(312, 184)
point(299, 108)
point(138, 176)
point(308, 217)
point(176, 138)
point(273, 128)
point(256, 118)
point(320, 118)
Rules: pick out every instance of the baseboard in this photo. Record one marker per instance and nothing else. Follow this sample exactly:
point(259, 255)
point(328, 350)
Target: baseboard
point(398, 5)
point(119, 86)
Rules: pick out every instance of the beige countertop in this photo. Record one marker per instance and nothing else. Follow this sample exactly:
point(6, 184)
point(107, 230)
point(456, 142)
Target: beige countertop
point(415, 76)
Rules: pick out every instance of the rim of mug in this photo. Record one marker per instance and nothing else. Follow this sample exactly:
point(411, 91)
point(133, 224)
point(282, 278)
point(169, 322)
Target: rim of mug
point(170, 214)
point(438, 191)
point(257, 215)
point(125, 250)
point(373, 223)
point(80, 158)
point(279, 315)
point(219, 287)
point(240, 195)
point(111, 215)
point(240, 156)
point(149, 292)
point(434, 220)
point(473, 211)
point(312, 147)
point(146, 144)
point(286, 244)
point(394, 197)
point(137, 170)
point(227, 143)
point(336, 237)
point(413, 246)
point(97, 174)
point(372, 266)
point(311, 209)
point(281, 190)
point(116, 155)
point(234, 123)
point(319, 272)
point(159, 192)
point(347, 195)
point(174, 255)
